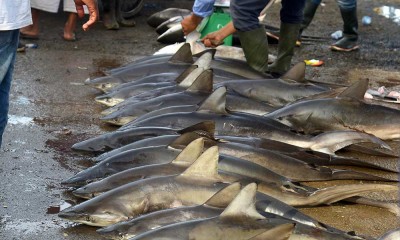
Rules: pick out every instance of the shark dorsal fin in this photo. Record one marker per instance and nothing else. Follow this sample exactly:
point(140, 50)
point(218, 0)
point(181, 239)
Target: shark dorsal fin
point(356, 90)
point(204, 61)
point(185, 73)
point(206, 126)
point(184, 140)
point(206, 166)
point(224, 196)
point(190, 153)
point(187, 79)
point(215, 103)
point(296, 73)
point(243, 206)
point(183, 55)
point(203, 83)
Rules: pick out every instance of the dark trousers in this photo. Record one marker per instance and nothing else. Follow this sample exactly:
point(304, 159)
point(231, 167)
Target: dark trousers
point(245, 12)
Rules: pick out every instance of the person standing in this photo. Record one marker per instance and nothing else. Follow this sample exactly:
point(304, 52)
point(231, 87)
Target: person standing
point(348, 11)
point(252, 36)
point(14, 15)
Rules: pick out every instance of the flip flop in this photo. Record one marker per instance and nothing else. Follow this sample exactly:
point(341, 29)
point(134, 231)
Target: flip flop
point(27, 36)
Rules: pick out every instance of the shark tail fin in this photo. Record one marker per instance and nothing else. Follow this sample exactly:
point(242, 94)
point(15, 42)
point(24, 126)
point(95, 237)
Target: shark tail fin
point(190, 153)
point(243, 206)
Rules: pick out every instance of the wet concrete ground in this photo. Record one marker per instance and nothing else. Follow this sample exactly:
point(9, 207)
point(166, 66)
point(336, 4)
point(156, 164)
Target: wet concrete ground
point(51, 110)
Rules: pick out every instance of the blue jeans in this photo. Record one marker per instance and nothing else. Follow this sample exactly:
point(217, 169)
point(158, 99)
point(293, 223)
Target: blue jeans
point(245, 13)
point(8, 49)
point(343, 4)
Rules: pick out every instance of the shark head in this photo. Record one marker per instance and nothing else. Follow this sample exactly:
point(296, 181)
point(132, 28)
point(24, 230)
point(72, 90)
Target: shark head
point(93, 216)
point(108, 101)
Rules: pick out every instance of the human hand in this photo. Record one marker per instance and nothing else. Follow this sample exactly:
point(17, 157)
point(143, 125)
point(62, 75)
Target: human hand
point(190, 23)
point(93, 12)
point(213, 39)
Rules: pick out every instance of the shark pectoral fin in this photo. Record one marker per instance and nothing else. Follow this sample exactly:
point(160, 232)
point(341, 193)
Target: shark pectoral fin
point(280, 232)
point(206, 166)
point(143, 206)
point(296, 73)
point(330, 142)
point(243, 206)
point(183, 55)
point(331, 195)
point(391, 207)
point(224, 196)
point(215, 103)
point(203, 83)
point(356, 90)
point(190, 153)
point(207, 127)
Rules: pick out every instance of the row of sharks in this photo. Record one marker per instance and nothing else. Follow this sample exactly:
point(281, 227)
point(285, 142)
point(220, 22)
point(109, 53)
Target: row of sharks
point(208, 148)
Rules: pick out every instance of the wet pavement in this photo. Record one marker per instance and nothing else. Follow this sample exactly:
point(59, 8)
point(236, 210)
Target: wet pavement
point(51, 109)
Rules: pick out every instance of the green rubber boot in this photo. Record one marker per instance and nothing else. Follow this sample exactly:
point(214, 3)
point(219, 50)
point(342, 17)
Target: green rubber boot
point(285, 49)
point(308, 14)
point(255, 48)
point(350, 32)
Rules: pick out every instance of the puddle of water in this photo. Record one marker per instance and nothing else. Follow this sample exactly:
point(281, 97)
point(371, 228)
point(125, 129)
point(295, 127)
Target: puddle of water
point(13, 119)
point(21, 100)
point(389, 12)
point(28, 227)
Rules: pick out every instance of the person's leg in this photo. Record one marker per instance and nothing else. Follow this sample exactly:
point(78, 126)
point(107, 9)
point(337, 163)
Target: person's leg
point(348, 10)
point(291, 18)
point(70, 26)
point(252, 36)
point(32, 31)
point(8, 49)
point(310, 8)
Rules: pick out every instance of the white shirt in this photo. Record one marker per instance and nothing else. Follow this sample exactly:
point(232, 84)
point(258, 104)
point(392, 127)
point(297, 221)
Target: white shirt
point(14, 14)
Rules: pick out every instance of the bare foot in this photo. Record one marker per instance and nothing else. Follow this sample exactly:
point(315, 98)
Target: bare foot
point(69, 27)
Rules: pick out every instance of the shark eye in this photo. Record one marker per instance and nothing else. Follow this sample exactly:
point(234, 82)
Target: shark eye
point(88, 218)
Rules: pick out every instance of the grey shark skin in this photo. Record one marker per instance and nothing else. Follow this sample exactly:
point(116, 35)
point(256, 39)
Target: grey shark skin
point(193, 187)
point(240, 220)
point(122, 161)
point(134, 110)
point(341, 113)
point(162, 16)
point(115, 97)
point(265, 205)
point(163, 27)
point(199, 79)
point(276, 92)
point(242, 224)
point(118, 138)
